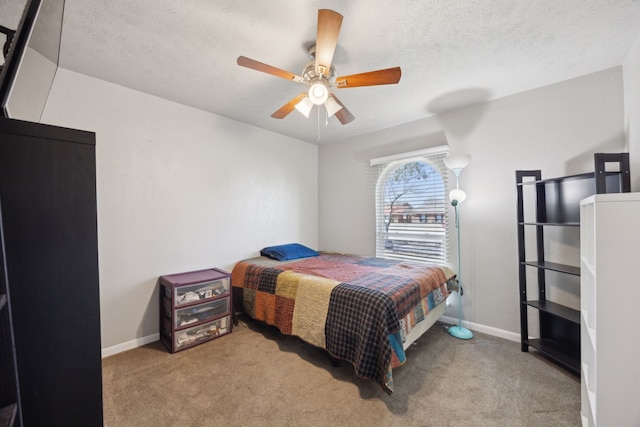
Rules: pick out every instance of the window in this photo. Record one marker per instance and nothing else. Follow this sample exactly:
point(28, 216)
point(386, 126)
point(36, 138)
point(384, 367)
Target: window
point(411, 207)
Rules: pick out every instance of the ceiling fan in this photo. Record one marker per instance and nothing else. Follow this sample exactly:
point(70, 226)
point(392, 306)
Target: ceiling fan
point(319, 75)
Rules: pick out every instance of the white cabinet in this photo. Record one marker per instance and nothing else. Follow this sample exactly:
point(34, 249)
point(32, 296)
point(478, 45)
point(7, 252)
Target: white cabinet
point(609, 298)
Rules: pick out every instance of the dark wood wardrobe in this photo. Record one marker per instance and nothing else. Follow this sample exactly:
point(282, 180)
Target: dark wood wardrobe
point(50, 276)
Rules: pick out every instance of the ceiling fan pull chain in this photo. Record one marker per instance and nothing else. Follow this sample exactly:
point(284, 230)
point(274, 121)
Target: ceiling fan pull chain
point(318, 123)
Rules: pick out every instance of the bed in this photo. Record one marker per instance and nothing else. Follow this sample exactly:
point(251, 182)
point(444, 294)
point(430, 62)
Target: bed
point(364, 310)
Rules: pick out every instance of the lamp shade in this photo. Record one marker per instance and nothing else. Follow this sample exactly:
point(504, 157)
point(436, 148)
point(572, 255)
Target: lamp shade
point(457, 196)
point(304, 106)
point(332, 106)
point(457, 162)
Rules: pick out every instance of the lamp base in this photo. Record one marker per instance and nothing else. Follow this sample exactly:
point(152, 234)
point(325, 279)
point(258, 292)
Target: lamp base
point(460, 332)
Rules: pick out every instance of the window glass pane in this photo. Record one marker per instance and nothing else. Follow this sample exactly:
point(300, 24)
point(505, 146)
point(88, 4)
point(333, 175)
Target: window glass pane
point(412, 212)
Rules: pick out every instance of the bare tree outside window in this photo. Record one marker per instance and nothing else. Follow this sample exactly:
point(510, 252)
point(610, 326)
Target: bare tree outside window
point(414, 212)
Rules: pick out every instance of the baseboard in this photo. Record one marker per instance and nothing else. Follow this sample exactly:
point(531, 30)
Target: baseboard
point(500, 333)
point(130, 345)
point(139, 342)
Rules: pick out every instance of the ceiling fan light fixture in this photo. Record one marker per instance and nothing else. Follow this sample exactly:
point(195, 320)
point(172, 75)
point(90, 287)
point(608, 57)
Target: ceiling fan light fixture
point(319, 74)
point(318, 92)
point(304, 106)
point(332, 106)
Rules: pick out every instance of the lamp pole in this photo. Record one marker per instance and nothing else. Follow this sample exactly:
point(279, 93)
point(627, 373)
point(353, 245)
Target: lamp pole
point(459, 331)
point(457, 196)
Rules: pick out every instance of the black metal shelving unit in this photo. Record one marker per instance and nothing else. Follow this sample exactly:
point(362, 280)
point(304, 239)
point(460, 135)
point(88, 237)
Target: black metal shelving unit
point(557, 204)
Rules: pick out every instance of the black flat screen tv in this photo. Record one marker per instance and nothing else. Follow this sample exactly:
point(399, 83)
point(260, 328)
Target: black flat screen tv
point(31, 60)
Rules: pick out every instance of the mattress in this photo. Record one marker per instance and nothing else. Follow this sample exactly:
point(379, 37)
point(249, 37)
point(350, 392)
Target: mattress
point(364, 310)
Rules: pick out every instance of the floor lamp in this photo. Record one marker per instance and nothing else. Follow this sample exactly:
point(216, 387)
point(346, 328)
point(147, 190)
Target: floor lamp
point(457, 196)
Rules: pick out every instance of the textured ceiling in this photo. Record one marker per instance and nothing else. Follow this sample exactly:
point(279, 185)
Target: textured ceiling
point(452, 52)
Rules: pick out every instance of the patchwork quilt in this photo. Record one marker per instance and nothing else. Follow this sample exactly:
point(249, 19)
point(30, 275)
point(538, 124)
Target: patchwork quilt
point(356, 308)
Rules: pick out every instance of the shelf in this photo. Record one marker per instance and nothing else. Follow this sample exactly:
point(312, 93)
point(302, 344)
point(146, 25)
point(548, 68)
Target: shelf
point(556, 309)
point(564, 178)
point(589, 330)
point(556, 224)
point(587, 264)
point(542, 204)
point(585, 372)
point(588, 175)
point(554, 266)
point(557, 353)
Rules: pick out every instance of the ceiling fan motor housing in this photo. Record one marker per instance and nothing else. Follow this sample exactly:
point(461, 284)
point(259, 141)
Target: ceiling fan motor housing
point(318, 83)
point(319, 75)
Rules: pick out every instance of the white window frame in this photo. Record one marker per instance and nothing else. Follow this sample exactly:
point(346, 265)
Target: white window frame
point(385, 165)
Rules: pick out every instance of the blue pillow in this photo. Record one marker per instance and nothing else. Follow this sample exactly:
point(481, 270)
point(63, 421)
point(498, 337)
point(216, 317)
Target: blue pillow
point(287, 252)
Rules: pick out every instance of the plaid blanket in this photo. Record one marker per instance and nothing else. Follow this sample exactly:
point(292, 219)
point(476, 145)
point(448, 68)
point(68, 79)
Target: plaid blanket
point(354, 307)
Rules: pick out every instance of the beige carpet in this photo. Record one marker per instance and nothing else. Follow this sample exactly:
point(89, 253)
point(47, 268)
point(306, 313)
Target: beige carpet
point(257, 377)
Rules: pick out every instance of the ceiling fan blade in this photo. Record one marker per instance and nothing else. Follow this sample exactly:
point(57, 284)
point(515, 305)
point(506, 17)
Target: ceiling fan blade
point(329, 23)
point(343, 114)
point(372, 78)
point(288, 107)
point(243, 61)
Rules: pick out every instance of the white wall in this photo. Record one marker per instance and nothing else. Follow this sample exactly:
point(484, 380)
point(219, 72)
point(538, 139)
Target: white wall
point(555, 128)
point(178, 190)
point(347, 200)
point(631, 73)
